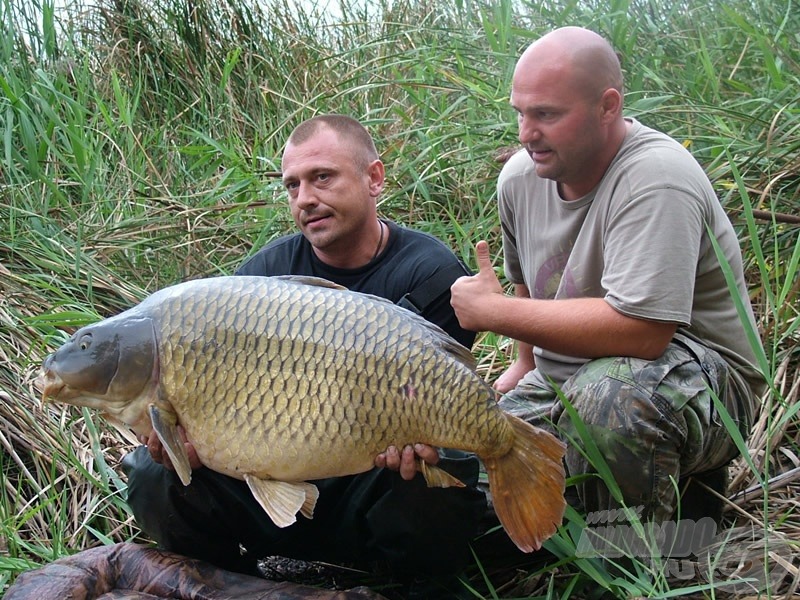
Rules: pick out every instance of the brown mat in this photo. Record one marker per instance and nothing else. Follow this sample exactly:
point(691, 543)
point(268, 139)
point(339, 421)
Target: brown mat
point(132, 572)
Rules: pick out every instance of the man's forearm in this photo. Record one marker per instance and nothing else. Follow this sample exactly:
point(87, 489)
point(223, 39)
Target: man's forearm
point(581, 327)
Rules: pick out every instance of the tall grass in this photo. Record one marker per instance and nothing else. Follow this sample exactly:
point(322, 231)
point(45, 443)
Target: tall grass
point(140, 142)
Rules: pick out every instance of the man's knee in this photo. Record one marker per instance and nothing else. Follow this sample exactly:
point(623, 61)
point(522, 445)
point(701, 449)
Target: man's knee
point(617, 424)
point(632, 400)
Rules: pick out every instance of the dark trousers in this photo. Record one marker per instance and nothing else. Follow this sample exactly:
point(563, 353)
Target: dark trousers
point(367, 520)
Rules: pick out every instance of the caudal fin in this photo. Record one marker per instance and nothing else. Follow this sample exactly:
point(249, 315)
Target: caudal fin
point(527, 485)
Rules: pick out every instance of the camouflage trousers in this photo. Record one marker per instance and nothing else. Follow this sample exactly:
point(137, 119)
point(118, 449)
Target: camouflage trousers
point(654, 423)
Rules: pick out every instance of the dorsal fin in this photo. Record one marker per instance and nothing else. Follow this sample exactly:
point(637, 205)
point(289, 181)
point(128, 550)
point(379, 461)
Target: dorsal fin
point(311, 280)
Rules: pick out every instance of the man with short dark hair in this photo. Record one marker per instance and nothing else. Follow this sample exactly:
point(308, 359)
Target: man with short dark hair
point(333, 176)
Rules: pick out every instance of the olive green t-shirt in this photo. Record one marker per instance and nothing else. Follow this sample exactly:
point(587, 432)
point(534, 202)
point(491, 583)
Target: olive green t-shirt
point(640, 240)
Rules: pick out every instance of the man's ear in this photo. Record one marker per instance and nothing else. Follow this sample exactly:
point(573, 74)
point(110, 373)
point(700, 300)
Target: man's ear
point(611, 104)
point(377, 177)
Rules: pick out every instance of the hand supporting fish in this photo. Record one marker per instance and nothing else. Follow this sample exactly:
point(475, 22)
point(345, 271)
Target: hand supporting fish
point(160, 455)
point(407, 460)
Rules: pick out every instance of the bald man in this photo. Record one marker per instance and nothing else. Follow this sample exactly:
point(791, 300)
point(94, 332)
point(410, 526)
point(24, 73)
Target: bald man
point(621, 302)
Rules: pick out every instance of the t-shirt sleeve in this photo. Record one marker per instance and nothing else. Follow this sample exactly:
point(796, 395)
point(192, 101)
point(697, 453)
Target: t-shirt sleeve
point(427, 261)
point(650, 254)
point(441, 312)
point(516, 188)
point(511, 263)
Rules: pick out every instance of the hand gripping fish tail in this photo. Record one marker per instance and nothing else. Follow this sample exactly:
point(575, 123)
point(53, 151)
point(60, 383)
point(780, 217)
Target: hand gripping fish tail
point(527, 485)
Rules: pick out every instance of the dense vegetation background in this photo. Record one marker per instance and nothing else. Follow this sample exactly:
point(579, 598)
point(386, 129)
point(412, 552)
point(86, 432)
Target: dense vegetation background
point(140, 142)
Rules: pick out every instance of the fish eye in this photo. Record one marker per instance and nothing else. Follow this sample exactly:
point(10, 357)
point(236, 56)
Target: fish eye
point(85, 341)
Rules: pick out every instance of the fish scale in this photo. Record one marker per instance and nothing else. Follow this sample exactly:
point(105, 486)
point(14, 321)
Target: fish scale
point(296, 341)
point(282, 380)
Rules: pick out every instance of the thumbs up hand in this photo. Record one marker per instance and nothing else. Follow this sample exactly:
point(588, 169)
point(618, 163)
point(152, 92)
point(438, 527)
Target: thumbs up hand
point(473, 298)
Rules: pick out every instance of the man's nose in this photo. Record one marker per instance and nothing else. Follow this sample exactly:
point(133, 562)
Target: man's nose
point(306, 196)
point(528, 131)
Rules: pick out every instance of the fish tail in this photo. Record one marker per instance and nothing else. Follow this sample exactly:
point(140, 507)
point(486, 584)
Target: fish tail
point(527, 485)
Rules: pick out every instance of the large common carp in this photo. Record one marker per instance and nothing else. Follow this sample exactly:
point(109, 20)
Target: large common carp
point(281, 380)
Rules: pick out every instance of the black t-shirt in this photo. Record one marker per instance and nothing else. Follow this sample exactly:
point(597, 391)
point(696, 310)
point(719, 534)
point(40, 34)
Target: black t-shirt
point(410, 259)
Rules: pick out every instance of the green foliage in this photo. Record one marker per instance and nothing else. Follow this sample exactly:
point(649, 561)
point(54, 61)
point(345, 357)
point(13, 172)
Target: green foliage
point(140, 141)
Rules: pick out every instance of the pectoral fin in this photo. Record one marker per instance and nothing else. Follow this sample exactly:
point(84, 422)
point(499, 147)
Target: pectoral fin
point(282, 500)
point(165, 424)
point(436, 477)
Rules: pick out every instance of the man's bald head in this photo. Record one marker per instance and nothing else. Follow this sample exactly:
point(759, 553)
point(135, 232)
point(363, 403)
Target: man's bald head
point(582, 56)
point(567, 91)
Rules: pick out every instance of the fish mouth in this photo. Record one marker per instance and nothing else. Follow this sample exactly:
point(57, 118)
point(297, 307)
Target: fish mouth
point(50, 385)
